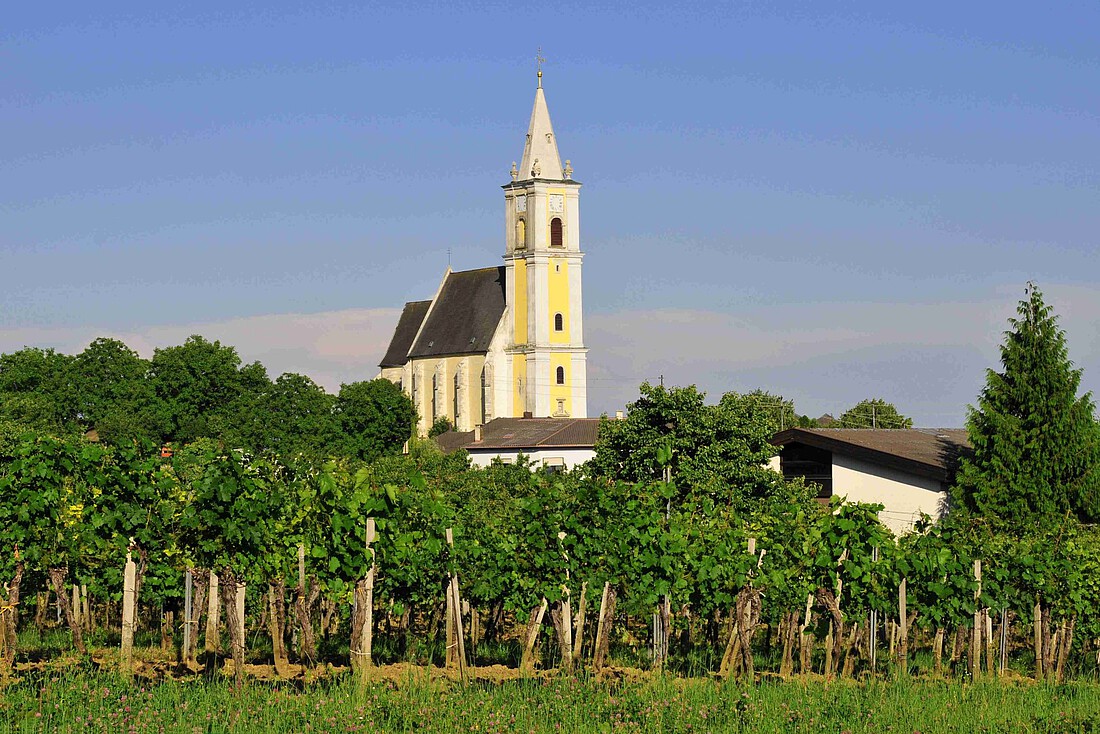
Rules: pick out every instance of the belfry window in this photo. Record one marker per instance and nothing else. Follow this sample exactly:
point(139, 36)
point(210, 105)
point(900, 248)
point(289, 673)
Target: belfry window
point(561, 376)
point(521, 234)
point(555, 232)
point(559, 322)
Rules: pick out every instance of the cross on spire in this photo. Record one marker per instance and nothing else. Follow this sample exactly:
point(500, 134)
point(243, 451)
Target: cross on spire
point(540, 61)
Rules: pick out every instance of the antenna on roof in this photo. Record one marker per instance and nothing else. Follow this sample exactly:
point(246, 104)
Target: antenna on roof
point(448, 258)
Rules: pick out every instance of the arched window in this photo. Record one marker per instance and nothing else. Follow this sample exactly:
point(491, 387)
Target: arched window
point(559, 322)
point(555, 232)
point(561, 375)
point(521, 234)
point(435, 397)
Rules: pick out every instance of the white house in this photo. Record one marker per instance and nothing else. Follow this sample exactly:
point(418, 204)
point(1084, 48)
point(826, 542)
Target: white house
point(906, 470)
point(549, 442)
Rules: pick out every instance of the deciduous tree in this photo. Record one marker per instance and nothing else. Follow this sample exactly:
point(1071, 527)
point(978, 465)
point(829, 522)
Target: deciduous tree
point(720, 449)
point(375, 417)
point(36, 392)
point(873, 413)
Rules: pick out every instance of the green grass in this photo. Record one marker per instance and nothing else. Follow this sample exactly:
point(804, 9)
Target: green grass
point(79, 701)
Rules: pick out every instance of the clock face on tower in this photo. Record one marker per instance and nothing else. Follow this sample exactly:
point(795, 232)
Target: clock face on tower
point(521, 204)
point(557, 203)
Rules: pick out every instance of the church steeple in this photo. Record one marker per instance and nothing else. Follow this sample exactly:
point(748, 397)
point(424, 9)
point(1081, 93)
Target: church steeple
point(544, 370)
point(540, 152)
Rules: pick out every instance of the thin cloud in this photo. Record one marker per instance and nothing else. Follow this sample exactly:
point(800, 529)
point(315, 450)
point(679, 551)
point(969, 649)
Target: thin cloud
point(929, 358)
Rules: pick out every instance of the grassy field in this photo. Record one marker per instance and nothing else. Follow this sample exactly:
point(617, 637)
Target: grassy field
point(53, 691)
point(89, 701)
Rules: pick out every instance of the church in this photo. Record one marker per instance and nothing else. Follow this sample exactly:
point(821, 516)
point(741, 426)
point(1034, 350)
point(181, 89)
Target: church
point(506, 341)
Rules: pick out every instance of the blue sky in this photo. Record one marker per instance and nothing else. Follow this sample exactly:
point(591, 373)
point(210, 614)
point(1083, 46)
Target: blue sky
point(829, 201)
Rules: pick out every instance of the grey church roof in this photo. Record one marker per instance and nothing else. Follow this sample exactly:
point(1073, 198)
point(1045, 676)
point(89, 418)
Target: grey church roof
point(411, 318)
point(464, 316)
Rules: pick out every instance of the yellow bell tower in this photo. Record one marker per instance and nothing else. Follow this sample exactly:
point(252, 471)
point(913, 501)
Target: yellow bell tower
point(545, 363)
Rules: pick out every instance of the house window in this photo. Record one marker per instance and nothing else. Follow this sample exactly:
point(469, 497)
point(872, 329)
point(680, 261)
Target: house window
point(810, 463)
point(559, 322)
point(553, 465)
point(555, 232)
point(561, 375)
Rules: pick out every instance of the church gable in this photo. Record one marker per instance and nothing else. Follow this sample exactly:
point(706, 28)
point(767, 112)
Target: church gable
point(412, 316)
point(464, 316)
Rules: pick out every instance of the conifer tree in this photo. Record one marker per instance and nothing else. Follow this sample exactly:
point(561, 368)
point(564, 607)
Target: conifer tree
point(1036, 442)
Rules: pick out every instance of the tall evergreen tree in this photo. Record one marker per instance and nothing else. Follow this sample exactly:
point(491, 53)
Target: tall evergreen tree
point(1036, 442)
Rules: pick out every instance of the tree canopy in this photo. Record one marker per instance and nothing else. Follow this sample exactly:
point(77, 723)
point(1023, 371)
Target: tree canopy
point(376, 418)
point(195, 391)
point(36, 392)
point(873, 413)
point(721, 450)
point(1036, 441)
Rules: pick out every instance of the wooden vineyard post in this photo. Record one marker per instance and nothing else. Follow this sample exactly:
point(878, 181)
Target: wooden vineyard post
point(86, 614)
point(873, 625)
point(937, 652)
point(603, 626)
point(232, 597)
point(240, 610)
point(976, 633)
point(187, 612)
point(308, 647)
point(527, 662)
point(1003, 661)
point(368, 611)
point(456, 606)
point(903, 629)
point(578, 623)
point(449, 645)
point(1038, 625)
point(987, 631)
point(805, 647)
point(77, 609)
point(731, 653)
point(129, 584)
point(213, 615)
point(562, 616)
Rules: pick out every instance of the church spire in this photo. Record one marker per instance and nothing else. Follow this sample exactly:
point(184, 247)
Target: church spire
point(540, 153)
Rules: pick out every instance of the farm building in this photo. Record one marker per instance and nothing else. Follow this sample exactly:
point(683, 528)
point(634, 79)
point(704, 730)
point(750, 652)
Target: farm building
point(548, 442)
point(906, 470)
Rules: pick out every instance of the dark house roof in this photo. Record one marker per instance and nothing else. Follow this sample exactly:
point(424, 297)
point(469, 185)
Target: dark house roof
point(929, 452)
point(525, 433)
point(411, 318)
point(464, 316)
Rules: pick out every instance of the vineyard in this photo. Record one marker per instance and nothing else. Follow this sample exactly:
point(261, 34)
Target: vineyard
point(420, 558)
